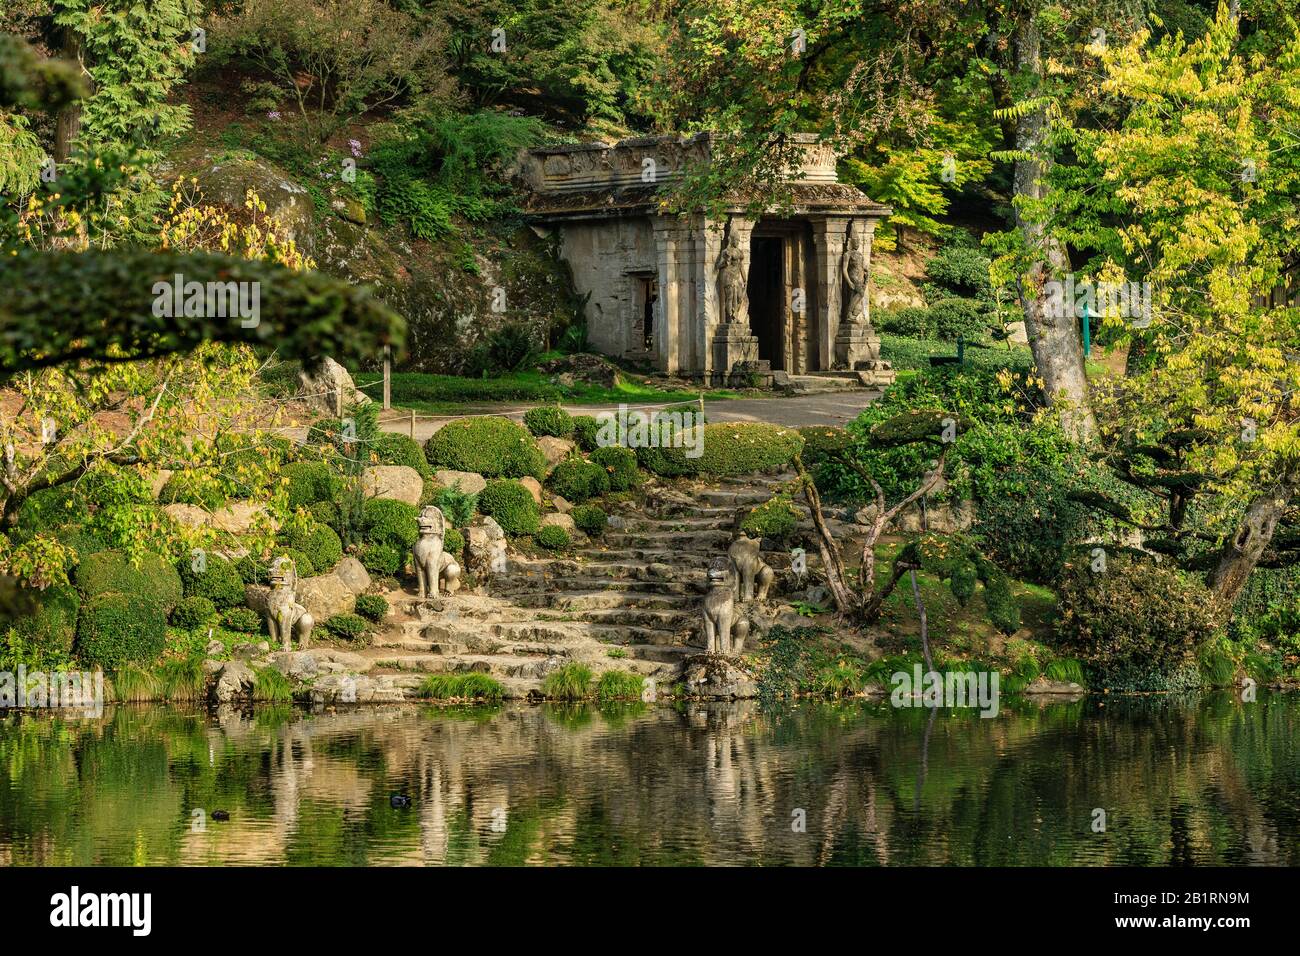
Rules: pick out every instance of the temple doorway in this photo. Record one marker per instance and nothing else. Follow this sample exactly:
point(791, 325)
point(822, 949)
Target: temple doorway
point(766, 291)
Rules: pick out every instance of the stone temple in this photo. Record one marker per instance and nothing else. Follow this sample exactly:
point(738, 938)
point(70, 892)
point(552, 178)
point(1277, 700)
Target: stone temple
point(728, 299)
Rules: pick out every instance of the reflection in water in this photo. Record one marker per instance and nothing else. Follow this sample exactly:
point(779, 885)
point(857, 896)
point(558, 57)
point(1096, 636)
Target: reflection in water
point(1204, 781)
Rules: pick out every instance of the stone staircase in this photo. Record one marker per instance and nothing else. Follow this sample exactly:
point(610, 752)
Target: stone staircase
point(634, 592)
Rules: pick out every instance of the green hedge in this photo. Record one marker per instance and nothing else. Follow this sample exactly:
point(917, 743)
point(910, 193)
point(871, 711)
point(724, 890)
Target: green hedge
point(589, 519)
point(553, 538)
point(319, 542)
point(511, 505)
point(620, 464)
point(394, 523)
point(490, 446)
point(776, 519)
point(549, 420)
point(310, 482)
point(242, 620)
point(390, 448)
point(347, 627)
point(52, 626)
point(219, 581)
point(585, 428)
point(746, 447)
point(193, 613)
point(154, 579)
point(577, 480)
point(373, 607)
point(1134, 614)
point(382, 559)
point(115, 629)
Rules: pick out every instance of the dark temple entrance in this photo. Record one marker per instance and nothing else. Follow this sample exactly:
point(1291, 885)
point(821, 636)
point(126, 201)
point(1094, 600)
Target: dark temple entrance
point(766, 290)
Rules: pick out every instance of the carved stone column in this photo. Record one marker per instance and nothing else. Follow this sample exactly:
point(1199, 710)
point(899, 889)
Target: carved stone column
point(857, 346)
point(828, 242)
point(708, 234)
point(668, 233)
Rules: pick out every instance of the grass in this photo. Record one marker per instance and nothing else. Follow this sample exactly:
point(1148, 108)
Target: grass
point(478, 687)
point(841, 679)
point(570, 682)
point(1066, 670)
point(452, 394)
point(132, 684)
point(908, 354)
point(272, 686)
point(619, 685)
point(182, 679)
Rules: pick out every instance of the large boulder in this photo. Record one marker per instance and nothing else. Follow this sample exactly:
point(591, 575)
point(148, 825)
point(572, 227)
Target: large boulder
point(584, 368)
point(559, 519)
point(534, 487)
point(238, 517)
point(325, 595)
point(330, 389)
point(717, 678)
point(353, 574)
point(191, 516)
point(298, 665)
point(468, 482)
point(485, 548)
point(554, 449)
point(395, 482)
point(235, 680)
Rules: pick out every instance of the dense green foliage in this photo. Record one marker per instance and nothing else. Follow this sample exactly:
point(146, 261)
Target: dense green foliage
point(589, 519)
point(213, 578)
point(511, 505)
point(152, 579)
point(1135, 614)
point(116, 628)
point(193, 613)
point(576, 480)
point(620, 464)
point(373, 607)
point(489, 446)
point(553, 538)
point(392, 523)
point(776, 519)
point(549, 420)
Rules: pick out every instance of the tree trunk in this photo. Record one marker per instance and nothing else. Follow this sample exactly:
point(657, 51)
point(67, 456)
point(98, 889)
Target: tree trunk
point(1054, 340)
point(1242, 552)
point(68, 123)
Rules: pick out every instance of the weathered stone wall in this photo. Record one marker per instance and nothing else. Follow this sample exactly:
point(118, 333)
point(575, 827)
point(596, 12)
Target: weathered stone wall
point(602, 255)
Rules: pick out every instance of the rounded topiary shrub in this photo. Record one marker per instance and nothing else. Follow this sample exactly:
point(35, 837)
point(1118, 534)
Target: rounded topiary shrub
point(957, 317)
point(453, 542)
point(585, 428)
point(576, 480)
point(243, 620)
point(115, 628)
point(511, 505)
point(776, 519)
point(373, 607)
point(390, 448)
point(193, 613)
point(327, 513)
point(49, 508)
point(742, 448)
point(213, 578)
point(1134, 613)
point(382, 559)
point(620, 464)
point(491, 446)
point(152, 579)
point(393, 523)
point(52, 626)
point(310, 482)
point(347, 627)
point(549, 420)
point(553, 538)
point(589, 519)
point(319, 542)
point(821, 442)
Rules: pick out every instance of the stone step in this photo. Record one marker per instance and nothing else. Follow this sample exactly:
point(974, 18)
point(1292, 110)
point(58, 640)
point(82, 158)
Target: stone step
point(563, 584)
point(669, 540)
point(732, 499)
point(594, 570)
point(597, 600)
point(676, 560)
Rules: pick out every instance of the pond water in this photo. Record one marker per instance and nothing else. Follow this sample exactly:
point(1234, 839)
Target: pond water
point(1201, 780)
